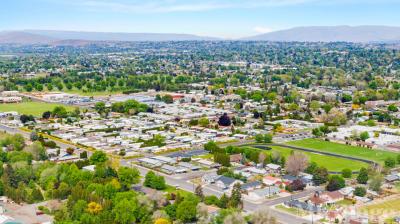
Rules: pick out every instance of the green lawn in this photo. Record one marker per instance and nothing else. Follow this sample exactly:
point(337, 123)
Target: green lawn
point(330, 162)
point(31, 108)
point(342, 149)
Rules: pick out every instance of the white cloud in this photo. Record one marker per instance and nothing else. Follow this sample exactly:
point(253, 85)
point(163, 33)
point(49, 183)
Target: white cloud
point(260, 29)
point(165, 6)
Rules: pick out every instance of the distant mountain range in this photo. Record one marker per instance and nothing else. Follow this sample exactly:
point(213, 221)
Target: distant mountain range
point(303, 34)
point(73, 37)
point(332, 34)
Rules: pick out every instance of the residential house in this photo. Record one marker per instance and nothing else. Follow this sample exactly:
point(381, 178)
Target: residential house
point(251, 186)
point(226, 183)
point(209, 178)
point(270, 180)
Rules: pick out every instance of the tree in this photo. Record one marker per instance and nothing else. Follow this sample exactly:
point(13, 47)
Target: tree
point(60, 112)
point(223, 201)
point(392, 108)
point(224, 120)
point(235, 200)
point(26, 118)
point(364, 136)
point(222, 158)
point(263, 138)
point(296, 185)
point(234, 218)
point(346, 173)
point(34, 136)
point(376, 183)
point(362, 177)
point(204, 122)
point(98, 157)
point(37, 150)
point(199, 192)
point(37, 195)
point(154, 181)
point(100, 107)
point(211, 146)
point(360, 191)
point(128, 176)
point(167, 99)
point(317, 132)
point(46, 115)
point(335, 182)
point(346, 98)
point(390, 162)
point(83, 155)
point(297, 162)
point(124, 211)
point(187, 210)
point(262, 216)
point(70, 150)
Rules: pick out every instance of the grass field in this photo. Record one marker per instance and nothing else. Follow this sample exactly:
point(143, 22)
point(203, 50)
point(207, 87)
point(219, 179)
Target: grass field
point(329, 162)
point(342, 149)
point(31, 108)
point(387, 207)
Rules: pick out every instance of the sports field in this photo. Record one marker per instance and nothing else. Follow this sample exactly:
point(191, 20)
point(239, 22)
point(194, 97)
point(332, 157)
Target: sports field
point(329, 162)
point(342, 149)
point(31, 108)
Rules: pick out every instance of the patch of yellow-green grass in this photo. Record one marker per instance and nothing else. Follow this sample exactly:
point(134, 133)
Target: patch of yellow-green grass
point(345, 202)
point(83, 92)
point(291, 210)
point(32, 108)
point(171, 189)
point(385, 207)
point(342, 149)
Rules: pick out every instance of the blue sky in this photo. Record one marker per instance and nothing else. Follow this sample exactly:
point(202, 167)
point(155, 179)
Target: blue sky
point(222, 18)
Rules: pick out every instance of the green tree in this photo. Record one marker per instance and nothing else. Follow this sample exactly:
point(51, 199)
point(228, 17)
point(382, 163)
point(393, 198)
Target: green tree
point(335, 182)
point(128, 176)
point(362, 177)
point(390, 162)
point(187, 210)
point(346, 173)
point(235, 200)
point(154, 181)
point(98, 157)
point(392, 108)
point(364, 135)
point(204, 122)
point(124, 211)
point(376, 183)
point(360, 191)
point(320, 176)
point(100, 107)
